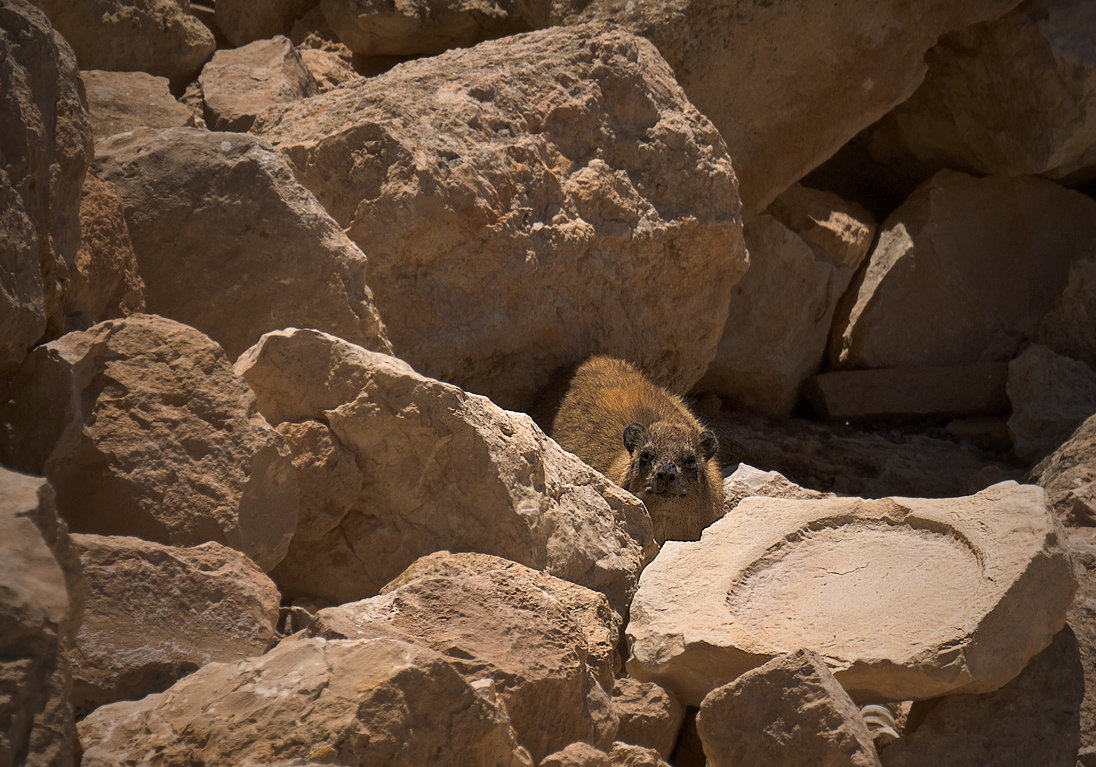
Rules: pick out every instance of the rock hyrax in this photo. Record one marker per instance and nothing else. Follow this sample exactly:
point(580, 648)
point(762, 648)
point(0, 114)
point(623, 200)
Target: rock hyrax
point(643, 438)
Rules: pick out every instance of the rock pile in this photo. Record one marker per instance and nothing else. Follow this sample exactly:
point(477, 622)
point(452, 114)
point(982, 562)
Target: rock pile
point(276, 282)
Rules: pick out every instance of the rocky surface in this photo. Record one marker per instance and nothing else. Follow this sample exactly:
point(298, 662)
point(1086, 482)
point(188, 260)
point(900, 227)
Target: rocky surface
point(513, 223)
point(243, 22)
point(780, 572)
point(1069, 476)
point(121, 101)
point(1051, 395)
point(144, 430)
point(649, 714)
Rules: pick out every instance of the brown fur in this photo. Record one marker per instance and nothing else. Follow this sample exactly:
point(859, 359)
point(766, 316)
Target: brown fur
point(668, 461)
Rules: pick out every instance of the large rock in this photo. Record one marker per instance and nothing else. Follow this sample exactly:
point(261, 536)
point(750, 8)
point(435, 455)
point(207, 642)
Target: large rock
point(40, 604)
point(1051, 396)
point(501, 625)
point(650, 715)
point(239, 83)
point(963, 271)
point(160, 37)
point(789, 712)
point(620, 755)
point(155, 613)
point(144, 430)
point(746, 481)
point(1082, 620)
point(45, 144)
point(243, 22)
point(121, 101)
point(846, 578)
point(528, 202)
point(378, 701)
point(441, 469)
point(275, 251)
point(803, 253)
point(787, 84)
point(1069, 476)
point(1067, 326)
point(1015, 95)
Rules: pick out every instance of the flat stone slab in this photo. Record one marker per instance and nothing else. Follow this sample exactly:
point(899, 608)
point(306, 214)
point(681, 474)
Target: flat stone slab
point(904, 597)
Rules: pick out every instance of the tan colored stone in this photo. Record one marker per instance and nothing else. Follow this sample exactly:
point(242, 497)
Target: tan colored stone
point(239, 83)
point(503, 626)
point(513, 223)
point(1033, 721)
point(1067, 326)
point(329, 69)
point(963, 271)
point(243, 22)
point(847, 579)
point(1051, 396)
point(155, 613)
point(746, 481)
point(443, 469)
point(144, 430)
point(1015, 95)
point(378, 701)
point(45, 144)
point(160, 37)
point(803, 253)
point(589, 609)
point(40, 604)
point(181, 185)
point(620, 755)
point(121, 101)
point(919, 392)
point(650, 715)
point(1082, 620)
point(788, 712)
point(1069, 476)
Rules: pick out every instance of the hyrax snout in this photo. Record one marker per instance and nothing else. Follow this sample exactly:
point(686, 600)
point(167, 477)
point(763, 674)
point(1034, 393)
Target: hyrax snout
point(645, 439)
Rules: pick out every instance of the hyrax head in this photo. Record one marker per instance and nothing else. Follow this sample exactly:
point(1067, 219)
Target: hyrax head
point(667, 459)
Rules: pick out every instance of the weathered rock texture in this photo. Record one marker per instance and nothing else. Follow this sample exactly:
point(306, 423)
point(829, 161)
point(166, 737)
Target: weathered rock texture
point(787, 84)
point(1012, 96)
point(1033, 721)
point(845, 578)
point(239, 83)
point(243, 21)
point(144, 430)
point(803, 252)
point(1069, 476)
point(620, 755)
point(155, 613)
point(963, 271)
point(277, 259)
point(746, 481)
point(1067, 326)
point(121, 101)
point(45, 144)
point(1082, 619)
point(528, 202)
point(379, 701)
point(649, 714)
point(441, 469)
point(789, 712)
point(1051, 396)
point(160, 37)
point(501, 625)
point(40, 603)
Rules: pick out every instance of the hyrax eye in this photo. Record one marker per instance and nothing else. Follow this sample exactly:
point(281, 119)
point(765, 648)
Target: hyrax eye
point(690, 462)
point(646, 456)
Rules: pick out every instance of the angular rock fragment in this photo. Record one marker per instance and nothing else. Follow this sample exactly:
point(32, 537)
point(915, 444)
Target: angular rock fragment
point(155, 613)
point(1069, 476)
point(650, 714)
point(441, 469)
point(746, 481)
point(905, 597)
point(1051, 396)
point(243, 22)
point(1067, 326)
point(620, 755)
point(121, 101)
point(144, 430)
point(529, 202)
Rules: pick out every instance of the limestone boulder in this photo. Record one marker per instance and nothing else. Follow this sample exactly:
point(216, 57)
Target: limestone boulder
point(1067, 325)
point(276, 251)
point(376, 701)
point(121, 101)
point(620, 755)
point(243, 22)
point(803, 253)
point(45, 145)
point(441, 469)
point(746, 481)
point(144, 430)
point(847, 579)
point(1009, 96)
point(650, 715)
point(1051, 396)
point(788, 712)
point(155, 613)
point(963, 271)
point(160, 37)
point(41, 598)
point(499, 625)
point(1069, 476)
point(564, 169)
point(239, 83)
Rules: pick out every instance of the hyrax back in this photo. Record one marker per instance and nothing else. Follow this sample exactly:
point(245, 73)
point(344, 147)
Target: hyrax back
point(643, 438)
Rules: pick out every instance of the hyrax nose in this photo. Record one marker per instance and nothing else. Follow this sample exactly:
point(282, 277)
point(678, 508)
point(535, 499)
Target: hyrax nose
point(664, 475)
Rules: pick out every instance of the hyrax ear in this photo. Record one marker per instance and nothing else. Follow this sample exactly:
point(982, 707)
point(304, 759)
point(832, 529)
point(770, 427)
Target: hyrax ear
point(709, 445)
point(633, 435)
